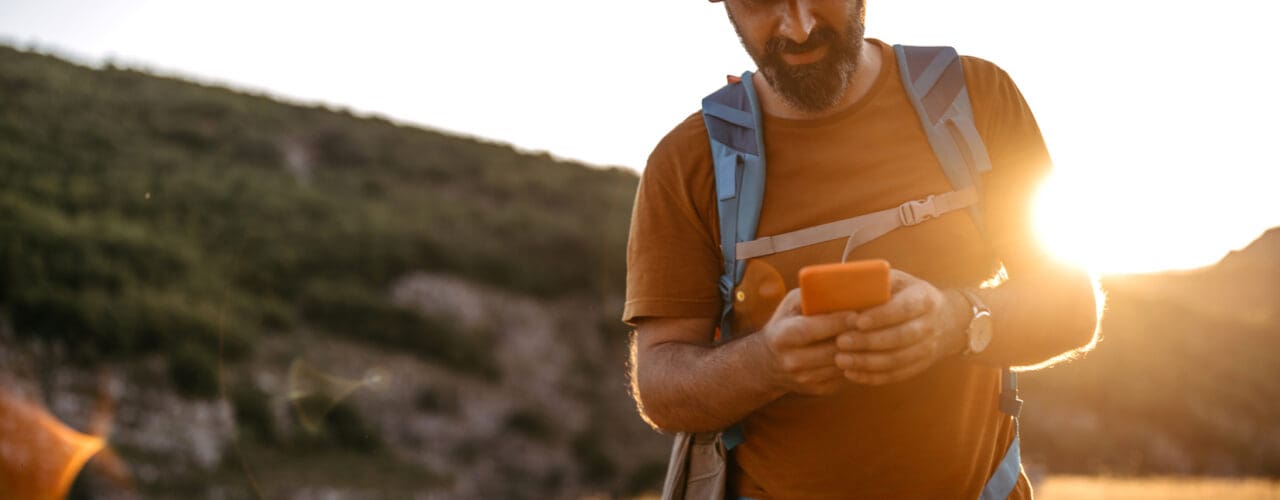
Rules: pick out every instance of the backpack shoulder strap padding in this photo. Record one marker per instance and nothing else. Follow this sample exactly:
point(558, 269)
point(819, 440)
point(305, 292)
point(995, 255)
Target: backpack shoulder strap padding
point(934, 80)
point(732, 117)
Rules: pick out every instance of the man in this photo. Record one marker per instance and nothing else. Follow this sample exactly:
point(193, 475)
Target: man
point(882, 403)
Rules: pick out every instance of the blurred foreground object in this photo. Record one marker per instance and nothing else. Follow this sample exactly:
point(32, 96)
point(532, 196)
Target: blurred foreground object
point(39, 456)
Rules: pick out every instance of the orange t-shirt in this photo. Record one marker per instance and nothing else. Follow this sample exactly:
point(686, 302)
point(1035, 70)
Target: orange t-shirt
point(938, 435)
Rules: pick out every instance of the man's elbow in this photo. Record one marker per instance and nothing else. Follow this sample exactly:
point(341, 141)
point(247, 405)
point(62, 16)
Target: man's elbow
point(1086, 318)
point(646, 393)
point(1076, 328)
point(656, 420)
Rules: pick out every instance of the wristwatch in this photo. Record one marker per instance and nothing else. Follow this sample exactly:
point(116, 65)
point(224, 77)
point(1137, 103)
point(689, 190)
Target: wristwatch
point(978, 332)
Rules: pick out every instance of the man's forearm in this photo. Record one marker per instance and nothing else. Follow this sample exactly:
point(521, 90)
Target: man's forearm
point(694, 388)
point(1038, 318)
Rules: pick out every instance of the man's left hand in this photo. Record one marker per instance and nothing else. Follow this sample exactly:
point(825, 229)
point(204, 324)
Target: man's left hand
point(901, 338)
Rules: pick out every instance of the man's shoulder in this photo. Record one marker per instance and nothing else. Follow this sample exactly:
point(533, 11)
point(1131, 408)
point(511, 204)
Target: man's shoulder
point(683, 152)
point(689, 134)
point(979, 70)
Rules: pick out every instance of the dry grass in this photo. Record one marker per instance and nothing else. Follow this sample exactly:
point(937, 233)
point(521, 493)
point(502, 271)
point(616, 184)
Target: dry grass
point(1109, 488)
point(1160, 488)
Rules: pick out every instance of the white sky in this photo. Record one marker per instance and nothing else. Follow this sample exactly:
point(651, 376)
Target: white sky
point(1159, 114)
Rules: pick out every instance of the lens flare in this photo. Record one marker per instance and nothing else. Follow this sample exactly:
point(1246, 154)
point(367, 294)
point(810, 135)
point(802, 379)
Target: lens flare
point(314, 393)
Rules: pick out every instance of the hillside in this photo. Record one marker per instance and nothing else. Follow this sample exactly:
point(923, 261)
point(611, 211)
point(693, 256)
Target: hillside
point(290, 301)
point(1185, 380)
point(161, 234)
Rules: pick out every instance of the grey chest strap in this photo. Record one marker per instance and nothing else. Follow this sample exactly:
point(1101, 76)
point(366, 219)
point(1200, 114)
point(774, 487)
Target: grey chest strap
point(860, 229)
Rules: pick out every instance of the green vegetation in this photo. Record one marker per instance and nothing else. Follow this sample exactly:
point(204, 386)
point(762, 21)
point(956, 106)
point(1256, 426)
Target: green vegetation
point(254, 420)
point(141, 214)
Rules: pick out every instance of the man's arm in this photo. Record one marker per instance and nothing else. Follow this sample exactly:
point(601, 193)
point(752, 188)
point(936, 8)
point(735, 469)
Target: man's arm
point(1045, 312)
point(1042, 314)
point(682, 382)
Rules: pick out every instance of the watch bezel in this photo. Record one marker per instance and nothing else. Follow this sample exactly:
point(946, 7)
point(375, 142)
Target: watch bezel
point(978, 332)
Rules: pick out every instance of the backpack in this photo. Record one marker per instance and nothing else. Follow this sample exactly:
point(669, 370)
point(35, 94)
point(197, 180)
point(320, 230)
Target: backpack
point(934, 80)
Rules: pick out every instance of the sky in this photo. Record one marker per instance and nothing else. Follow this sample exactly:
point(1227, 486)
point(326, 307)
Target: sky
point(1158, 114)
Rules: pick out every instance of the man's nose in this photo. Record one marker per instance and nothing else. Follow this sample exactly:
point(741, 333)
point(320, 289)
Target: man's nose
point(798, 20)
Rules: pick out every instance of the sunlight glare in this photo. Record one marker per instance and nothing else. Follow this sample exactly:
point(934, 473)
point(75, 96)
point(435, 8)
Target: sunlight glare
point(1134, 220)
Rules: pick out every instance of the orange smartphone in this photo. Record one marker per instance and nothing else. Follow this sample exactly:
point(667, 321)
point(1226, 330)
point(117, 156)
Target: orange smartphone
point(846, 286)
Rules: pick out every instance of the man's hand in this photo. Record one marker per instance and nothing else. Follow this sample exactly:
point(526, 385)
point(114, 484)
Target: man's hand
point(901, 338)
point(803, 348)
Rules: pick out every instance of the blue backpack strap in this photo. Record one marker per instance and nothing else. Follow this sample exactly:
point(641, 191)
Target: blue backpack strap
point(1005, 478)
point(934, 80)
point(1010, 404)
point(732, 117)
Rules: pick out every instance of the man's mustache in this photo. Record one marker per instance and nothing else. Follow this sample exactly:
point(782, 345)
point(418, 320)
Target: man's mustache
point(818, 38)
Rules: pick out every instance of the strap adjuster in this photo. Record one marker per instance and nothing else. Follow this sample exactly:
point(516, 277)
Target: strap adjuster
point(1011, 404)
point(916, 211)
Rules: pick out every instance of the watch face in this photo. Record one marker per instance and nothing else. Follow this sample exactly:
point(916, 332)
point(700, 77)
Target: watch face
point(979, 332)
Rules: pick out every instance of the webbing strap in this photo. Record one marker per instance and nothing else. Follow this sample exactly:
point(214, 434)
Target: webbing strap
point(860, 229)
point(1005, 478)
point(732, 115)
point(1010, 404)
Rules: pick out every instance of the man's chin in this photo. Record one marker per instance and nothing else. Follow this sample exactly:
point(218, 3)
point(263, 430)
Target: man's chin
point(812, 88)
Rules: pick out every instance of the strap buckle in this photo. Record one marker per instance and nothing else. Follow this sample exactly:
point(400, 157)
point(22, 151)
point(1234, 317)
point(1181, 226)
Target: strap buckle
point(916, 211)
point(1010, 403)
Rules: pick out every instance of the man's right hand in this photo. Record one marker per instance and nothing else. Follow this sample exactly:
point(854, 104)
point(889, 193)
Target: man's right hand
point(803, 348)
point(684, 382)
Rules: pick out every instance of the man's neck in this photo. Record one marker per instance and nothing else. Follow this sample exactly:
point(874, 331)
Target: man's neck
point(869, 61)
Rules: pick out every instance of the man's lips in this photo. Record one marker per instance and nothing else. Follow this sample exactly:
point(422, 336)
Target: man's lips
point(808, 57)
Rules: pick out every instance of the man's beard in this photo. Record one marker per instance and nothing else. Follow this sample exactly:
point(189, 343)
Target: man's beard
point(816, 86)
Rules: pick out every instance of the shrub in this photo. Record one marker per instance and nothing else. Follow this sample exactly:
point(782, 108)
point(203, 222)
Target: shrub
point(361, 314)
point(194, 372)
point(253, 413)
point(348, 430)
point(596, 465)
point(530, 424)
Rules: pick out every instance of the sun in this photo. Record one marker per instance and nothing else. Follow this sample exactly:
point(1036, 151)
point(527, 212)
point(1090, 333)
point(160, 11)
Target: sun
point(1134, 220)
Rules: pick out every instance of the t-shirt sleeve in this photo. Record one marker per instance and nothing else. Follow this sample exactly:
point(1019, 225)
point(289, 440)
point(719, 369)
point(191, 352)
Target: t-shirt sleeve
point(1019, 159)
point(673, 258)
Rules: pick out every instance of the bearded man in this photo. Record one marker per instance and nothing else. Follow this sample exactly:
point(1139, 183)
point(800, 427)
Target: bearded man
point(889, 402)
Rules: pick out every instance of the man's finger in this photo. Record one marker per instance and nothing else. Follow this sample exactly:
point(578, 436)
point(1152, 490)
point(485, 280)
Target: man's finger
point(882, 378)
point(819, 376)
point(888, 339)
point(803, 359)
point(805, 330)
point(899, 280)
point(820, 382)
point(903, 306)
point(884, 361)
point(790, 306)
